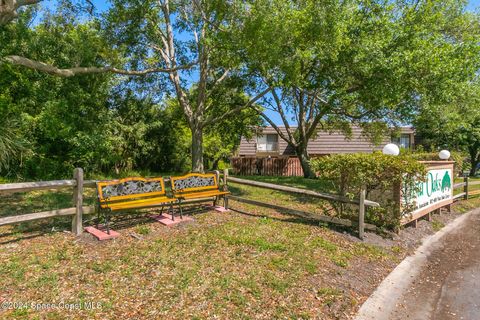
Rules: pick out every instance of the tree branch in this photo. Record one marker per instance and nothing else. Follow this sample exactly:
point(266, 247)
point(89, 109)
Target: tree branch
point(275, 127)
point(313, 125)
point(209, 120)
point(172, 63)
point(221, 78)
point(279, 109)
point(8, 9)
point(43, 67)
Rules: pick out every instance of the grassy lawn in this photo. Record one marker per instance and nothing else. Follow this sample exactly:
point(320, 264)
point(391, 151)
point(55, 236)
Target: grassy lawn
point(464, 206)
point(288, 200)
point(265, 265)
point(470, 188)
point(298, 182)
point(222, 265)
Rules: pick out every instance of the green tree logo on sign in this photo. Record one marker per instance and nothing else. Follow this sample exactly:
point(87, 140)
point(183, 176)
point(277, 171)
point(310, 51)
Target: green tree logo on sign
point(446, 182)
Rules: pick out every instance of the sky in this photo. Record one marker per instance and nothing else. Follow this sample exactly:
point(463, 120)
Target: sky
point(473, 5)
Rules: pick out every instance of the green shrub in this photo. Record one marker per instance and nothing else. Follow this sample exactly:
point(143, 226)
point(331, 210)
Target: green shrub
point(382, 176)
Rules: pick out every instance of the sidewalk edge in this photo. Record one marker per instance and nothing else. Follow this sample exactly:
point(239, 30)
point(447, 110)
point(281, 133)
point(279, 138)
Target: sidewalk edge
point(381, 303)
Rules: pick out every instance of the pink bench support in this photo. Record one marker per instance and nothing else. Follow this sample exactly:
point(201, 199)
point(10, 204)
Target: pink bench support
point(101, 235)
point(166, 219)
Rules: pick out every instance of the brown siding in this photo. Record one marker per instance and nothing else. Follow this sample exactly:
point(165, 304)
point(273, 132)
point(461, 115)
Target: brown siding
point(247, 147)
point(330, 143)
point(324, 143)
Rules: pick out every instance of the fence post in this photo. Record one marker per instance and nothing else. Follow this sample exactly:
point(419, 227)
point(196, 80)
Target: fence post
point(465, 187)
point(225, 187)
point(225, 176)
point(361, 213)
point(77, 221)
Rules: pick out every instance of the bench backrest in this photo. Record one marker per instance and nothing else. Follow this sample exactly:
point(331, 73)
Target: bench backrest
point(194, 182)
point(130, 188)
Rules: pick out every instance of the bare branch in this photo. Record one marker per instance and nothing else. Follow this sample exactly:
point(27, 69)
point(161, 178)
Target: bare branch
point(162, 53)
point(313, 125)
point(204, 68)
point(172, 63)
point(274, 126)
point(222, 77)
point(43, 67)
point(279, 109)
point(250, 103)
point(205, 18)
point(91, 7)
point(217, 82)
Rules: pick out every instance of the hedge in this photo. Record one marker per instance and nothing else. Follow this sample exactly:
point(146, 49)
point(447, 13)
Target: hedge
point(380, 174)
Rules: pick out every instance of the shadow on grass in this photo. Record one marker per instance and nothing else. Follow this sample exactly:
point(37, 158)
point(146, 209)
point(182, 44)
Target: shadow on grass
point(297, 182)
point(128, 219)
point(120, 221)
point(33, 229)
point(302, 220)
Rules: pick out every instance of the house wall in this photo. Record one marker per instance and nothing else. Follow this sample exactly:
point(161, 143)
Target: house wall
point(324, 143)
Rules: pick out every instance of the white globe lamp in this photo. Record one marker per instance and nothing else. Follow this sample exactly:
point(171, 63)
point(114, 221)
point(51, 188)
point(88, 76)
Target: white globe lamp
point(444, 154)
point(391, 149)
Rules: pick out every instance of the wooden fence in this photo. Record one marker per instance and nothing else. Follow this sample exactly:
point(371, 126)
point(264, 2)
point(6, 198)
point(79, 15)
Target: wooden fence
point(273, 166)
point(361, 202)
point(466, 194)
point(76, 211)
point(77, 184)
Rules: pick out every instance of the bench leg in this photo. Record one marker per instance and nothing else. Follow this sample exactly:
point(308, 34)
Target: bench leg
point(172, 212)
point(180, 209)
point(215, 201)
point(161, 210)
point(225, 202)
point(107, 222)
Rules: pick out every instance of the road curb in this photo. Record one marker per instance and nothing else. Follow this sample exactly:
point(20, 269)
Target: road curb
point(382, 302)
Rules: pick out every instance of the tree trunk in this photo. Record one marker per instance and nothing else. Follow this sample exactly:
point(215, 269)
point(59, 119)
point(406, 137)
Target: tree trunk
point(473, 171)
point(302, 154)
point(215, 164)
point(474, 161)
point(197, 149)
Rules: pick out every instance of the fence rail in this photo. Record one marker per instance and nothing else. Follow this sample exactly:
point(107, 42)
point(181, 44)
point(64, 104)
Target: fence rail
point(467, 193)
point(78, 210)
point(303, 214)
point(325, 196)
point(361, 202)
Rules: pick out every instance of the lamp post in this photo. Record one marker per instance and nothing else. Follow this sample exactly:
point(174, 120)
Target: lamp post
point(391, 149)
point(444, 154)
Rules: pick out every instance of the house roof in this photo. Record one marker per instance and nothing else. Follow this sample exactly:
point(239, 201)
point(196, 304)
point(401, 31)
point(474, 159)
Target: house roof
point(268, 129)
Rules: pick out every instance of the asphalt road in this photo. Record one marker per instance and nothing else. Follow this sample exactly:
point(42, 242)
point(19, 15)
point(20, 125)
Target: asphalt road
point(448, 286)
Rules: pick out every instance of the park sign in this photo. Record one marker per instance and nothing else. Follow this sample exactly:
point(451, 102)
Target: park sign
point(434, 192)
